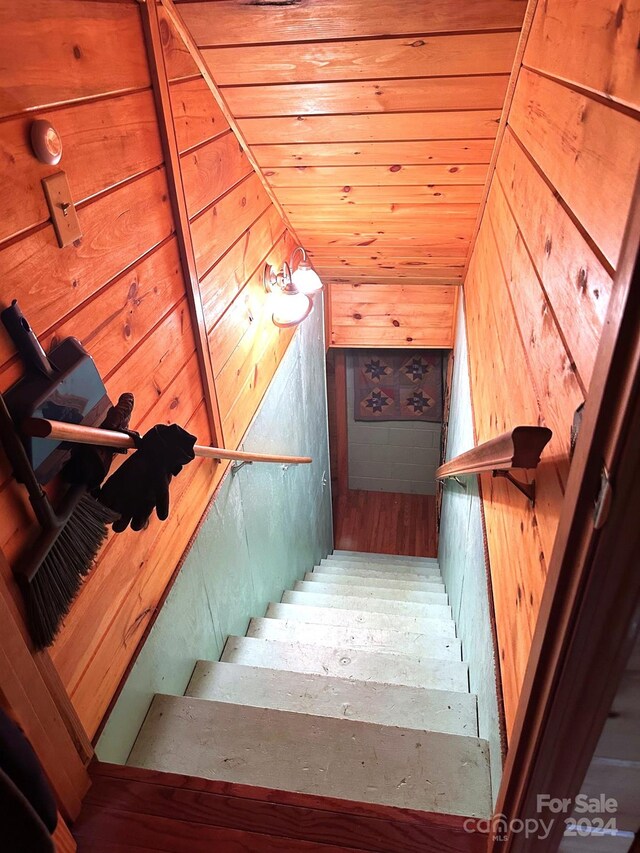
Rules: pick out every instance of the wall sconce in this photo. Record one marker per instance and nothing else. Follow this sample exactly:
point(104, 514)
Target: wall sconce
point(305, 279)
point(291, 307)
point(293, 291)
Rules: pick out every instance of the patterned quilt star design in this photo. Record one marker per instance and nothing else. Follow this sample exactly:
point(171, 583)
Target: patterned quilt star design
point(418, 402)
point(375, 369)
point(377, 401)
point(398, 385)
point(416, 368)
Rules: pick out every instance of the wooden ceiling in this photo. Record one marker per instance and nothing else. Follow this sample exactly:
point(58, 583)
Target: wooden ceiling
point(372, 120)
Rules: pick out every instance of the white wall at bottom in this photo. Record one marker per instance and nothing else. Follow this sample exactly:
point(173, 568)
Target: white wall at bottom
point(391, 456)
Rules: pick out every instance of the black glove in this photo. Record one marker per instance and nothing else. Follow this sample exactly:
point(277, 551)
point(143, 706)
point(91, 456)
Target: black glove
point(142, 481)
point(89, 464)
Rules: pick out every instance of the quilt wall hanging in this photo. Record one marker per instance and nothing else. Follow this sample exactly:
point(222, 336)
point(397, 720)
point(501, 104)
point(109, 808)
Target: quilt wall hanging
point(397, 385)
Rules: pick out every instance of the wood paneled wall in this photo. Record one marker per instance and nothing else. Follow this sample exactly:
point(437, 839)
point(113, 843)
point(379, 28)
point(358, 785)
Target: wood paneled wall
point(540, 277)
point(121, 288)
point(234, 229)
point(374, 123)
point(392, 315)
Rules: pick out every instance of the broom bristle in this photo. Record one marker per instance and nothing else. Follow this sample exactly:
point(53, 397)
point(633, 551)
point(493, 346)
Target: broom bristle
point(58, 579)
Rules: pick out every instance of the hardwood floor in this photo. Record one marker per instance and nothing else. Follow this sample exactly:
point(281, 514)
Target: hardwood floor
point(386, 523)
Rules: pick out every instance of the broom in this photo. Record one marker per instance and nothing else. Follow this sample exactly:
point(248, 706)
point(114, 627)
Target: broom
point(71, 536)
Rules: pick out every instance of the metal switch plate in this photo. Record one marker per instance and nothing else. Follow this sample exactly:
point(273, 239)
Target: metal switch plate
point(61, 207)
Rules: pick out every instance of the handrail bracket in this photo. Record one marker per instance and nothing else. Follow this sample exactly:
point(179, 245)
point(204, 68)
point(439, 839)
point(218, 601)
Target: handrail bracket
point(519, 448)
point(527, 489)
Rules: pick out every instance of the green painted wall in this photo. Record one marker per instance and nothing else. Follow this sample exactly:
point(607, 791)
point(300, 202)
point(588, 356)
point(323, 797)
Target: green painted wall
point(268, 526)
point(462, 561)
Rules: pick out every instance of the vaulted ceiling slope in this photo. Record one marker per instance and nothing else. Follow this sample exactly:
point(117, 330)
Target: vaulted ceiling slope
point(373, 120)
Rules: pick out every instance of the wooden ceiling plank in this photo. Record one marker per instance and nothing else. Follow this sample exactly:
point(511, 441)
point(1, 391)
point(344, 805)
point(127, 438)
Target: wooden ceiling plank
point(423, 243)
point(387, 263)
point(411, 153)
point(455, 230)
point(363, 60)
point(422, 213)
point(355, 198)
point(373, 176)
point(238, 22)
point(475, 92)
point(423, 281)
point(376, 128)
point(472, 124)
point(386, 270)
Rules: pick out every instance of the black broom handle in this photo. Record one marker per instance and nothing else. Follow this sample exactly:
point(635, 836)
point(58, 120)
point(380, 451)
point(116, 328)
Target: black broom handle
point(25, 341)
point(23, 472)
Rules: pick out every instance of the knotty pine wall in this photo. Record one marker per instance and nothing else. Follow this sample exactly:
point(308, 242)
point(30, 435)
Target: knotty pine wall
point(393, 314)
point(540, 277)
point(120, 289)
point(235, 229)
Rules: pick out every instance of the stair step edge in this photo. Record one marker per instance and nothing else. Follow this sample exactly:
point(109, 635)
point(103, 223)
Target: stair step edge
point(350, 602)
point(322, 756)
point(423, 585)
point(361, 639)
point(367, 701)
point(345, 662)
point(353, 616)
point(385, 557)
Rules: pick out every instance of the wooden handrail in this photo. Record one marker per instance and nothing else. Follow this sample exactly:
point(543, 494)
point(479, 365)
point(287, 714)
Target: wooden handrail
point(519, 448)
point(42, 428)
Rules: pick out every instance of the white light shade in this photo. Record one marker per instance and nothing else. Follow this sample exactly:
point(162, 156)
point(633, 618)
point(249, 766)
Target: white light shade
point(290, 308)
point(305, 279)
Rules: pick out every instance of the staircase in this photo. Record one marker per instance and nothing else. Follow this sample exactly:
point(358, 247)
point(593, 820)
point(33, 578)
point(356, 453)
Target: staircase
point(352, 687)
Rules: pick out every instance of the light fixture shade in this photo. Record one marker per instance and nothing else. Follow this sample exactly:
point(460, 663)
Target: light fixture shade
point(290, 308)
point(306, 279)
